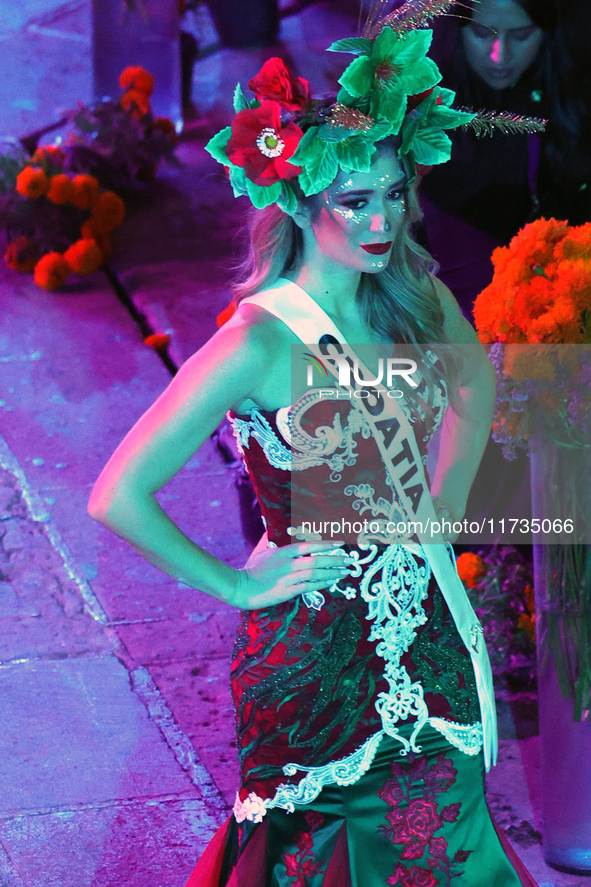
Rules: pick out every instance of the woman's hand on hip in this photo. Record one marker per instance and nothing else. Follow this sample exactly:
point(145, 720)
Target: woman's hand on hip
point(279, 574)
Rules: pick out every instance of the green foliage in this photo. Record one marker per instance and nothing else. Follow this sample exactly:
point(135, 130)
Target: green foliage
point(216, 146)
point(354, 45)
point(11, 164)
point(241, 102)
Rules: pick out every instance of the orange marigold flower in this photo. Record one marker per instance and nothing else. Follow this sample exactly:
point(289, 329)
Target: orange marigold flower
point(85, 191)
point(22, 255)
point(165, 125)
point(471, 568)
point(576, 245)
point(84, 256)
point(103, 241)
point(51, 271)
point(49, 154)
point(136, 102)
point(136, 77)
point(226, 314)
point(157, 340)
point(31, 182)
point(107, 213)
point(60, 189)
point(527, 623)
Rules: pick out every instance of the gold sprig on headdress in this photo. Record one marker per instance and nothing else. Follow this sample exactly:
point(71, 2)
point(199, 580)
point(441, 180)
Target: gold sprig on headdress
point(412, 15)
point(350, 118)
point(487, 122)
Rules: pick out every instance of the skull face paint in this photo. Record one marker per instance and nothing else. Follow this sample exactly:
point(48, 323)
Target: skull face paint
point(355, 220)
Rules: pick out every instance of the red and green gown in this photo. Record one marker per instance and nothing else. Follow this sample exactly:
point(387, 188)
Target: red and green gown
point(357, 715)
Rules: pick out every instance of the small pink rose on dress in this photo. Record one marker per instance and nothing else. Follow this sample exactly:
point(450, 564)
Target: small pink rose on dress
point(252, 808)
point(422, 819)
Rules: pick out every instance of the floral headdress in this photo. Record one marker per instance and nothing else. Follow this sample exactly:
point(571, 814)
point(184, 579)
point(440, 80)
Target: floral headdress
point(390, 88)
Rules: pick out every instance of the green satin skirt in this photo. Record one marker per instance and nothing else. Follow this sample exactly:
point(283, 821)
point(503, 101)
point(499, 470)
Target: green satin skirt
point(416, 821)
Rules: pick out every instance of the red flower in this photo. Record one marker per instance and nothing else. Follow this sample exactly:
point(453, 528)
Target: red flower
point(399, 831)
point(261, 146)
point(414, 850)
point(391, 792)
point(422, 819)
point(418, 877)
point(22, 255)
point(276, 82)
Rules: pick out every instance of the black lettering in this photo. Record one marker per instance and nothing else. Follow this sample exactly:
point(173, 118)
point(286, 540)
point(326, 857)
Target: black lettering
point(405, 453)
point(414, 494)
point(410, 473)
point(389, 429)
point(327, 340)
point(378, 407)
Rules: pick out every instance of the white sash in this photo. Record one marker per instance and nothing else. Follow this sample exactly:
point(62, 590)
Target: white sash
point(398, 447)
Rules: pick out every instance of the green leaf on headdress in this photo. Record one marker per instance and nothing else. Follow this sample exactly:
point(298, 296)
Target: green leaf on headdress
point(307, 147)
point(216, 146)
point(358, 77)
point(241, 102)
point(431, 147)
point(355, 45)
point(237, 180)
point(423, 129)
point(318, 160)
point(287, 200)
point(395, 68)
point(379, 131)
point(333, 133)
point(261, 195)
point(390, 106)
point(446, 96)
point(354, 154)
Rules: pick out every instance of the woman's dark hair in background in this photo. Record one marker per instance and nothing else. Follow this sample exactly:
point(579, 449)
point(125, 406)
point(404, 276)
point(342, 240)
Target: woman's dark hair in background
point(556, 86)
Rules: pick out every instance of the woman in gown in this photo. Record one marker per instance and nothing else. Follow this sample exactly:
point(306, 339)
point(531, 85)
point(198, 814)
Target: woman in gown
point(364, 704)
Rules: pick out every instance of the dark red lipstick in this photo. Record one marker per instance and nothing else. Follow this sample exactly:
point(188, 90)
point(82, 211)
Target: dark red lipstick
point(376, 249)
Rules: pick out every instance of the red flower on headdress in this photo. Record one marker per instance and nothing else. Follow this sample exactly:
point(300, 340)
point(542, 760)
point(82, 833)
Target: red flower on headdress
point(276, 82)
point(414, 100)
point(261, 146)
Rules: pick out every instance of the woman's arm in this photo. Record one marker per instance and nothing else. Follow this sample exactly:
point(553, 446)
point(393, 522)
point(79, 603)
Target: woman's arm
point(219, 377)
point(466, 429)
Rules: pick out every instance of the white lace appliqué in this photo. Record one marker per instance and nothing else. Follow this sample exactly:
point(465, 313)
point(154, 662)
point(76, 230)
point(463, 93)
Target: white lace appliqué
point(466, 737)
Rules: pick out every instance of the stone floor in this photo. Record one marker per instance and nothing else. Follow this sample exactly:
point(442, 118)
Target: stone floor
point(117, 755)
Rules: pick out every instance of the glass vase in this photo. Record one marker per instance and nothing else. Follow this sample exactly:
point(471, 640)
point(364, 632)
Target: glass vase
point(562, 579)
point(142, 32)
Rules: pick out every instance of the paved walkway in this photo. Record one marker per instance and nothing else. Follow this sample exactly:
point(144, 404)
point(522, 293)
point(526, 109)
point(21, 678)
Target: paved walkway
point(116, 748)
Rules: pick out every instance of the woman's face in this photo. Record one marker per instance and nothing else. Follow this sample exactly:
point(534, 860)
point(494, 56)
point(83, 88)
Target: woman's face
point(501, 42)
point(355, 220)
